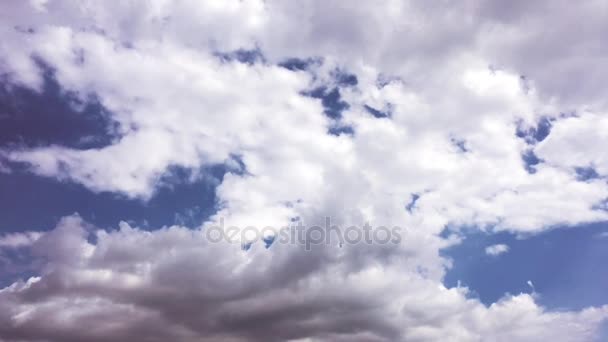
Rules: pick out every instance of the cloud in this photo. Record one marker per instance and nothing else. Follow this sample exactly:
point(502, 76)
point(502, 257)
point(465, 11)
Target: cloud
point(167, 288)
point(497, 249)
point(572, 143)
point(602, 235)
point(21, 239)
point(451, 79)
point(175, 101)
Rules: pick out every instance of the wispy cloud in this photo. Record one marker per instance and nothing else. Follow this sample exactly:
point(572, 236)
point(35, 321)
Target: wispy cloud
point(497, 249)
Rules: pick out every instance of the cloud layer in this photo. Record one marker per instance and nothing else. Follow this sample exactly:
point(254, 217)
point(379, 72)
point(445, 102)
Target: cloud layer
point(400, 114)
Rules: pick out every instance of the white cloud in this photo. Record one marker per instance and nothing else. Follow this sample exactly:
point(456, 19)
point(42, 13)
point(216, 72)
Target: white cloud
point(497, 249)
point(20, 239)
point(39, 5)
point(574, 142)
point(153, 66)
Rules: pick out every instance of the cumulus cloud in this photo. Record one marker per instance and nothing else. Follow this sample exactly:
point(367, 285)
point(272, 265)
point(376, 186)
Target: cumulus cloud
point(177, 285)
point(497, 249)
point(573, 141)
point(456, 110)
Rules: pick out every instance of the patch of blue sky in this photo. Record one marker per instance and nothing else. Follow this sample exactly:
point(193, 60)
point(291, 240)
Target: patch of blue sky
point(567, 266)
point(31, 202)
point(52, 116)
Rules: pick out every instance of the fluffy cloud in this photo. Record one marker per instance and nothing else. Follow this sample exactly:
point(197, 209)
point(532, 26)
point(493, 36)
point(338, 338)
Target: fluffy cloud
point(574, 141)
point(497, 249)
point(456, 108)
point(176, 285)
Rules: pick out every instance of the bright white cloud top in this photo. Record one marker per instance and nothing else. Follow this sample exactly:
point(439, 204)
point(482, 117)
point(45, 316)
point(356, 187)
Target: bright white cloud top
point(465, 86)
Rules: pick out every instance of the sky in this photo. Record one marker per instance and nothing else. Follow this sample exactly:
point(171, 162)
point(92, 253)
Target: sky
point(174, 170)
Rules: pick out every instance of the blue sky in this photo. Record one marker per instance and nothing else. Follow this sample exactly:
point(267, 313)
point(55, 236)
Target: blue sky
point(49, 117)
point(130, 133)
point(565, 266)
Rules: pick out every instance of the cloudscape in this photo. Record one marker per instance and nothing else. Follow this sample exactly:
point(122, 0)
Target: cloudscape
point(317, 170)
